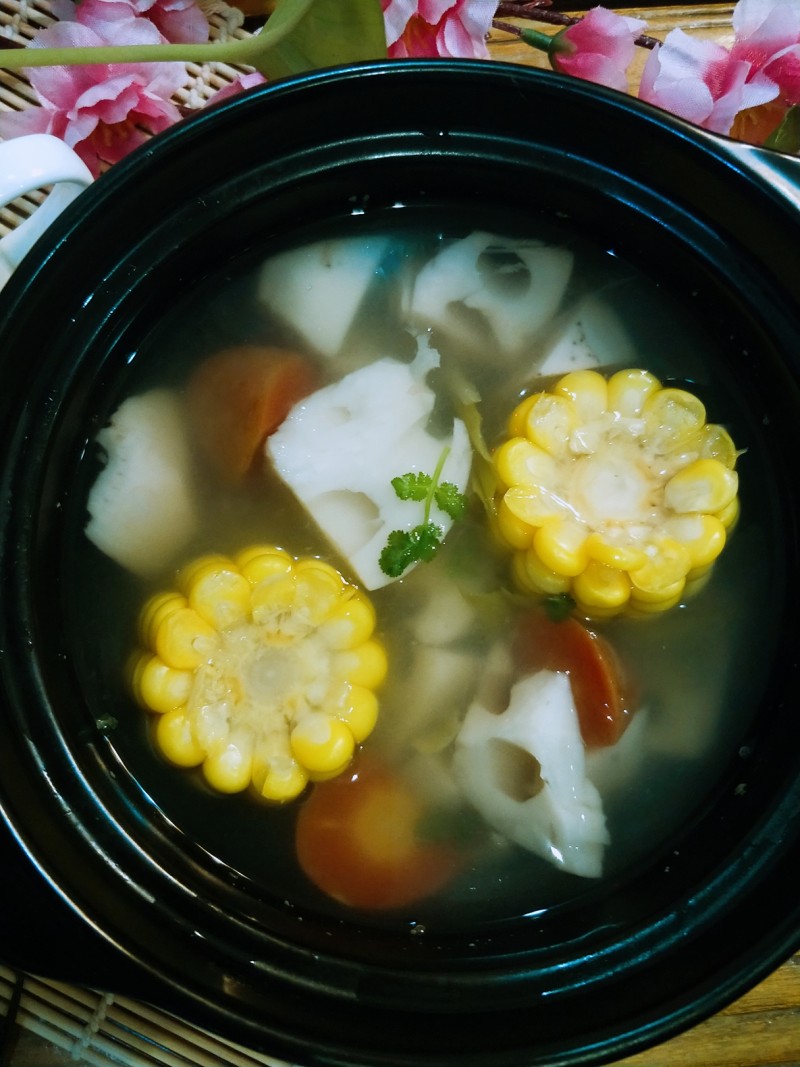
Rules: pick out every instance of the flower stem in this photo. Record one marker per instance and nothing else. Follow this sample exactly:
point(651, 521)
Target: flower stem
point(537, 13)
point(242, 52)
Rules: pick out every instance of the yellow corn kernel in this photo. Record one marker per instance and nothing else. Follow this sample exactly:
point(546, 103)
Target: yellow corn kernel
point(322, 744)
point(703, 535)
point(672, 416)
point(551, 421)
point(283, 780)
point(185, 640)
point(272, 603)
point(318, 593)
point(319, 566)
point(629, 389)
point(134, 668)
point(697, 579)
point(154, 612)
point(535, 505)
point(228, 767)
point(187, 574)
point(646, 604)
point(623, 557)
point(519, 462)
point(517, 425)
point(160, 687)
point(359, 713)
point(668, 563)
point(530, 573)
point(351, 622)
point(561, 546)
point(714, 442)
point(588, 390)
point(365, 665)
point(218, 591)
point(601, 589)
point(705, 485)
point(211, 723)
point(729, 515)
point(512, 531)
point(175, 739)
point(263, 561)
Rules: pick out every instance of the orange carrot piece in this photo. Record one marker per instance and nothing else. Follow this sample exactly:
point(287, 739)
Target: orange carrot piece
point(241, 395)
point(357, 838)
point(595, 673)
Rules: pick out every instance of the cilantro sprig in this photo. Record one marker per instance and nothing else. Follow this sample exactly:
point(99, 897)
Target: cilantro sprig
point(421, 543)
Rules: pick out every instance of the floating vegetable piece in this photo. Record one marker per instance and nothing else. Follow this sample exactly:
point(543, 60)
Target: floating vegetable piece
point(238, 397)
point(491, 293)
point(341, 447)
point(595, 674)
point(588, 336)
point(617, 492)
point(318, 289)
point(262, 668)
point(141, 506)
point(525, 772)
point(363, 840)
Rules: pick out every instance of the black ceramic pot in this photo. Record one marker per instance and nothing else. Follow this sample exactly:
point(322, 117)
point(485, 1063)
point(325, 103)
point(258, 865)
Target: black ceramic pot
point(150, 913)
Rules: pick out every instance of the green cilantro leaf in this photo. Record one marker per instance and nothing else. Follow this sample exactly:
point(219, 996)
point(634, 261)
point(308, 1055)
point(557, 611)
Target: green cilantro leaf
point(412, 486)
point(450, 500)
point(559, 606)
point(421, 543)
point(398, 554)
point(426, 538)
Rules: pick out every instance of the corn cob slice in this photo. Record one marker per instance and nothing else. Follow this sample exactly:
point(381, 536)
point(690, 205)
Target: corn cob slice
point(617, 492)
point(262, 669)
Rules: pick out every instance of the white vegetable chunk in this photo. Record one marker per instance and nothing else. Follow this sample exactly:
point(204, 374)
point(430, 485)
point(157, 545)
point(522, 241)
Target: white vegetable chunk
point(141, 505)
point(590, 335)
point(339, 449)
point(491, 292)
point(493, 763)
point(318, 289)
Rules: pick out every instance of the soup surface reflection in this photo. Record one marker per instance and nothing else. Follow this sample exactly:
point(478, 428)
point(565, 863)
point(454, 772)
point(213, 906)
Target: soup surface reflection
point(348, 400)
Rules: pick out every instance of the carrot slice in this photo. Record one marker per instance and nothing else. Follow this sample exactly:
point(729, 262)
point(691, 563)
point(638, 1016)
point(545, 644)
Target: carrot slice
point(595, 673)
point(357, 838)
point(241, 395)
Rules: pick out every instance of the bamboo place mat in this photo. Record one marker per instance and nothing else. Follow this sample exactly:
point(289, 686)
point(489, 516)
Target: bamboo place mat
point(51, 1024)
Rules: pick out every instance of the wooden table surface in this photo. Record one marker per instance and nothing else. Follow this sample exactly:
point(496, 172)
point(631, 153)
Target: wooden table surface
point(762, 1029)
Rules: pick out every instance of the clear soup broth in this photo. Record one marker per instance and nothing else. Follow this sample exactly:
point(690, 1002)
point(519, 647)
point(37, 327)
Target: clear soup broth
point(449, 307)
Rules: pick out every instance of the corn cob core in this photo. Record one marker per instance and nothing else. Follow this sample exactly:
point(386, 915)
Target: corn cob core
point(262, 669)
point(615, 491)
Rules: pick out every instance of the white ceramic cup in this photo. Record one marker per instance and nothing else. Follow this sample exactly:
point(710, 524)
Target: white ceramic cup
point(34, 162)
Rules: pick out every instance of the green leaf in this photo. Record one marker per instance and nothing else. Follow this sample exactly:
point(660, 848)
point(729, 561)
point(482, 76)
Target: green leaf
point(412, 486)
point(786, 138)
point(399, 553)
point(450, 500)
point(427, 538)
point(311, 34)
point(559, 606)
point(300, 35)
point(405, 547)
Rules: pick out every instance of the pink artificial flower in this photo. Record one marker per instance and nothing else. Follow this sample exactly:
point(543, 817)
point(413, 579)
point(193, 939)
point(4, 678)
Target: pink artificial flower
point(598, 48)
point(105, 110)
point(430, 28)
point(244, 81)
point(709, 85)
point(178, 21)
